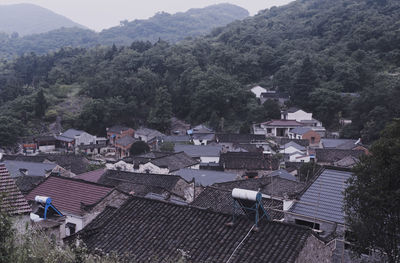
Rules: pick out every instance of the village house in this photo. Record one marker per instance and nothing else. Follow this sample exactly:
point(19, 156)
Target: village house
point(294, 152)
point(117, 132)
point(248, 164)
point(100, 147)
point(231, 141)
point(183, 232)
point(167, 186)
point(279, 97)
point(277, 128)
point(146, 134)
point(12, 200)
point(201, 135)
point(28, 174)
point(79, 201)
point(305, 133)
point(73, 164)
point(257, 91)
point(123, 146)
point(320, 208)
point(201, 153)
point(332, 156)
point(167, 164)
point(71, 139)
point(46, 143)
point(301, 116)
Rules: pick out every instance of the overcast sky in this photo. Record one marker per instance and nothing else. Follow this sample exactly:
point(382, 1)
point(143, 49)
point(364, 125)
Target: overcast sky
point(100, 14)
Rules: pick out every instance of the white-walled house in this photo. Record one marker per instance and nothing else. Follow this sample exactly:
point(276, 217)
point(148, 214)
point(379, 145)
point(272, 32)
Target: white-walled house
point(301, 116)
point(258, 90)
point(277, 128)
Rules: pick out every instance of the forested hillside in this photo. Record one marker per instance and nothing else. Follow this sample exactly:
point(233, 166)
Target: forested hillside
point(171, 28)
point(28, 19)
point(317, 50)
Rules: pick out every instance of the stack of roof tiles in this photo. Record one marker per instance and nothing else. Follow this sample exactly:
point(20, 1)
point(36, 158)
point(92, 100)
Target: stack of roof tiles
point(11, 199)
point(146, 230)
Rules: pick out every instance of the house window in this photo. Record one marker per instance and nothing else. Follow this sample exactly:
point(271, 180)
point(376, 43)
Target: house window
point(312, 225)
point(70, 229)
point(269, 130)
point(312, 139)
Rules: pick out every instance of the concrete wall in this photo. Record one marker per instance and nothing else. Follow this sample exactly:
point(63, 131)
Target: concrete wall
point(47, 148)
point(299, 115)
point(309, 134)
point(206, 159)
point(85, 138)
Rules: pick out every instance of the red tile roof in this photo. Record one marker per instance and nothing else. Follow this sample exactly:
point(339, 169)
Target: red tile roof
point(13, 201)
point(92, 176)
point(68, 194)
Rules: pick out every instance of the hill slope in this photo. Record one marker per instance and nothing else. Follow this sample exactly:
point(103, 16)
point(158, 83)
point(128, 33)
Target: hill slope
point(28, 19)
point(317, 50)
point(176, 27)
point(172, 28)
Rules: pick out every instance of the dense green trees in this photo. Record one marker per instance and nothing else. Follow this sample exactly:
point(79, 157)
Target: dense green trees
point(139, 147)
point(373, 196)
point(161, 114)
point(296, 49)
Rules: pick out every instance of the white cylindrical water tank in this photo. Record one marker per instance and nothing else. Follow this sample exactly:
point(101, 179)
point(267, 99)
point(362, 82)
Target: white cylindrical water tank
point(244, 194)
point(41, 199)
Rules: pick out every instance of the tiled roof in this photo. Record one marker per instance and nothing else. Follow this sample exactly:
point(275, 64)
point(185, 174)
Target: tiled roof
point(144, 229)
point(247, 160)
point(347, 162)
point(283, 140)
point(324, 198)
point(26, 183)
point(274, 186)
point(220, 200)
point(301, 130)
point(334, 155)
point(69, 194)
point(205, 177)
point(202, 129)
point(175, 161)
point(92, 176)
point(13, 201)
point(176, 138)
point(125, 141)
point(203, 136)
point(291, 123)
point(30, 168)
point(239, 138)
point(199, 150)
point(71, 133)
point(283, 174)
point(150, 133)
point(344, 144)
point(140, 184)
point(75, 163)
point(118, 129)
point(293, 144)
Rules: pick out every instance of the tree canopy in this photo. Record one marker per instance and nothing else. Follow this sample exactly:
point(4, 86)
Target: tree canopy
point(372, 200)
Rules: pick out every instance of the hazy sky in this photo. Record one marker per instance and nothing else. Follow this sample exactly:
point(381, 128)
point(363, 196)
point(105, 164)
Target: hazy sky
point(100, 14)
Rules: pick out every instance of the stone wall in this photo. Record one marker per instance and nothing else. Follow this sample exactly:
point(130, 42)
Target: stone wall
point(315, 251)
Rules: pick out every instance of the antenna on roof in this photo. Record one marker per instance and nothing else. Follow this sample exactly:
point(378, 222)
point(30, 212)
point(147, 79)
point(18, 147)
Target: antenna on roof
point(250, 202)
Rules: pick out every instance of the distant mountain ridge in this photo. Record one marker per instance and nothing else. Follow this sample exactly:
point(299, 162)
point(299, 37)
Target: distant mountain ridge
point(28, 19)
point(172, 28)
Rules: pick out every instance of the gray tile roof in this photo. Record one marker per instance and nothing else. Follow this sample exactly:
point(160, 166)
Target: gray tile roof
point(344, 144)
point(71, 133)
point(118, 129)
point(295, 145)
point(32, 168)
point(199, 150)
point(283, 174)
point(150, 133)
point(334, 155)
point(205, 177)
point(300, 130)
point(125, 141)
point(176, 138)
point(175, 161)
point(324, 198)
